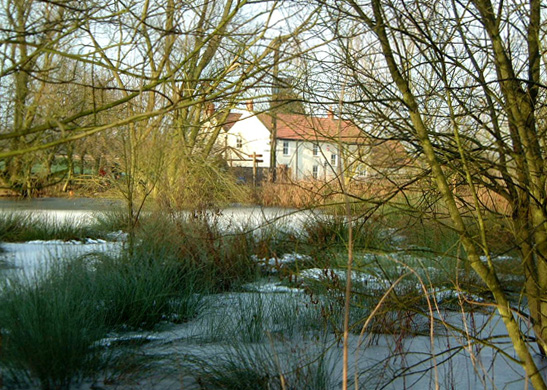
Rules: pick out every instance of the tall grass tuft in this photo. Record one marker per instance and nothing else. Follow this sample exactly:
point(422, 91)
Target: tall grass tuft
point(52, 322)
point(331, 233)
point(267, 367)
point(221, 259)
point(255, 317)
point(49, 323)
point(141, 290)
point(109, 221)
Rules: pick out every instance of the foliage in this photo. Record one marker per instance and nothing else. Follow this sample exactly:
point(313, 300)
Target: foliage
point(332, 233)
point(468, 106)
point(109, 221)
point(259, 317)
point(199, 184)
point(139, 291)
point(221, 259)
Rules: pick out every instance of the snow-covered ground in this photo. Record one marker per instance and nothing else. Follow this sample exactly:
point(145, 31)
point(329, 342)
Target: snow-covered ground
point(281, 324)
point(448, 359)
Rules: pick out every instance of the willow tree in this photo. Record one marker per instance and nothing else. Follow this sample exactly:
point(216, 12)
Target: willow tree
point(50, 94)
point(461, 82)
point(33, 37)
point(191, 62)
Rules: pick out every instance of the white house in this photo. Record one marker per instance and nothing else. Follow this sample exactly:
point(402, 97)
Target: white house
point(245, 136)
point(306, 147)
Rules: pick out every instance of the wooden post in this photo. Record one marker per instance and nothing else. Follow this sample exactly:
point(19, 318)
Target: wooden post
point(254, 169)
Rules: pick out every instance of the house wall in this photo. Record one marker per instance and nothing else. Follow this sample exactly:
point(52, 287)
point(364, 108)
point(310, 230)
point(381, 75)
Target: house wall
point(255, 138)
point(301, 159)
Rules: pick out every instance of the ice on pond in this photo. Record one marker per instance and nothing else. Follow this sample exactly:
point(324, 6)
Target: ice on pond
point(33, 256)
point(390, 361)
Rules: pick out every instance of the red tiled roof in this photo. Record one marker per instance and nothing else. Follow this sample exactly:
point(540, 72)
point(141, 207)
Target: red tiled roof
point(302, 127)
point(231, 120)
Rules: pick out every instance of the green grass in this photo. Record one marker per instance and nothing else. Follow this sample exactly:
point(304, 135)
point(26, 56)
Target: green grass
point(222, 259)
point(139, 291)
point(21, 227)
point(109, 221)
point(51, 323)
point(372, 278)
point(328, 232)
point(264, 366)
point(255, 317)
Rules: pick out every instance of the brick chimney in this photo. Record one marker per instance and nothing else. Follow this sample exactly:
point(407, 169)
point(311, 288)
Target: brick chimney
point(210, 109)
point(330, 114)
point(250, 106)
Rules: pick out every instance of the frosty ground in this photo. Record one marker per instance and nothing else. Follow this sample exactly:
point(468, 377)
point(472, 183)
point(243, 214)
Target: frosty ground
point(272, 333)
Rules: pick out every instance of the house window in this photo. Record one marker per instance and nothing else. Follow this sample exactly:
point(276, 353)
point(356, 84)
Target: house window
point(333, 158)
point(286, 148)
point(315, 171)
point(239, 143)
point(315, 150)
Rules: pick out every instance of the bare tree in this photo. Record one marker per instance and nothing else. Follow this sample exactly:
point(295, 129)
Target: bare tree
point(461, 84)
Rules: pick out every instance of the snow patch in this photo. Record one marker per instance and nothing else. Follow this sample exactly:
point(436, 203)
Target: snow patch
point(271, 287)
point(379, 285)
point(287, 258)
point(129, 338)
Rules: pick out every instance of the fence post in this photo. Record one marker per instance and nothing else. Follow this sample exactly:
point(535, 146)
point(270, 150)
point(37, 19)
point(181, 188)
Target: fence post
point(254, 169)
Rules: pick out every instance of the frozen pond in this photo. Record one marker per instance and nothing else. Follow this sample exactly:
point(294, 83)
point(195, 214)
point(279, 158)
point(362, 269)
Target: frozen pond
point(30, 257)
point(277, 328)
point(60, 204)
point(33, 256)
point(83, 208)
point(446, 361)
point(60, 209)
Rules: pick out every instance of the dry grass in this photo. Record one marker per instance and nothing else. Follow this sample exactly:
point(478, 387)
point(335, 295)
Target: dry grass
point(302, 194)
point(318, 193)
